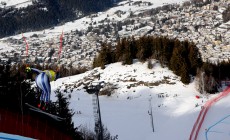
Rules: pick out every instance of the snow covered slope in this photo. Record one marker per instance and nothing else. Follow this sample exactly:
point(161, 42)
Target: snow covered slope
point(130, 18)
point(125, 113)
point(15, 3)
point(217, 122)
point(4, 47)
point(83, 23)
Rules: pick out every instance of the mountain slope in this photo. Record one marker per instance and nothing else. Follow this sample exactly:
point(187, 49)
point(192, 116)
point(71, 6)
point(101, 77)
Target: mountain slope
point(17, 4)
point(83, 37)
point(125, 113)
point(21, 16)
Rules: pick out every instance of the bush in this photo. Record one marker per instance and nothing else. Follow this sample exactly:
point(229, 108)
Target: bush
point(108, 89)
point(150, 65)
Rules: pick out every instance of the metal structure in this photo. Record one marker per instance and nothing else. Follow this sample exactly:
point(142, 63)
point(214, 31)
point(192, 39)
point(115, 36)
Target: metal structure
point(94, 89)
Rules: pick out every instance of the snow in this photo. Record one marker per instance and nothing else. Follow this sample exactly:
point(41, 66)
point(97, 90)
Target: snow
point(16, 3)
point(125, 113)
point(80, 24)
point(4, 47)
point(217, 112)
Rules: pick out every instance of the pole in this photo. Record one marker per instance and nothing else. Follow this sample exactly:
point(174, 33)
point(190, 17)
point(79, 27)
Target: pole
point(100, 136)
point(94, 89)
point(151, 113)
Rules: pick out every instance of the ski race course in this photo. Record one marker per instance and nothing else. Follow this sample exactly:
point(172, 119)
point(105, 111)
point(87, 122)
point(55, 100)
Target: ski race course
point(200, 119)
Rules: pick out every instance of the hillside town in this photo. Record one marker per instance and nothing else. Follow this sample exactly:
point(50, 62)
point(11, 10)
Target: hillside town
point(202, 25)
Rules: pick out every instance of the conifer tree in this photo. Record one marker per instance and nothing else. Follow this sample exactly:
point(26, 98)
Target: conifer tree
point(167, 49)
point(133, 47)
point(63, 111)
point(194, 58)
point(150, 65)
point(14, 88)
point(127, 56)
point(120, 48)
point(185, 74)
point(176, 61)
point(144, 47)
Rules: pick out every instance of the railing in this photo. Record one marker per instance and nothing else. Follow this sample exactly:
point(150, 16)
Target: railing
point(29, 126)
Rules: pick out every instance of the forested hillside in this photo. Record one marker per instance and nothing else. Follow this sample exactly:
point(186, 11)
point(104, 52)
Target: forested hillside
point(46, 13)
point(16, 90)
point(182, 57)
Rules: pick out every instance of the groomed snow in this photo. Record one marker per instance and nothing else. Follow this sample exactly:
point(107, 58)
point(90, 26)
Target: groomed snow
point(125, 113)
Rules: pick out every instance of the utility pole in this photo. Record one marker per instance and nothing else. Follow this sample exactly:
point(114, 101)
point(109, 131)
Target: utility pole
point(151, 113)
point(94, 89)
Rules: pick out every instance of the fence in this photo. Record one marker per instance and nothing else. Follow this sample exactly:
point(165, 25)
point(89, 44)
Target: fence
point(29, 126)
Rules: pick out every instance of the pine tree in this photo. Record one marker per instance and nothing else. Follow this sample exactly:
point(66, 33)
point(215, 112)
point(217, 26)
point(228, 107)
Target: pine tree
point(166, 50)
point(63, 111)
point(133, 47)
point(176, 61)
point(128, 54)
point(150, 65)
point(120, 47)
point(194, 58)
point(105, 56)
point(14, 88)
point(144, 47)
point(185, 74)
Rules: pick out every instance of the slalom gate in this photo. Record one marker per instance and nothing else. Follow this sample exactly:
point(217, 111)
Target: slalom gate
point(200, 119)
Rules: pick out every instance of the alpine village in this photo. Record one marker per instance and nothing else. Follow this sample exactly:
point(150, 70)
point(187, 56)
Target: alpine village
point(115, 69)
